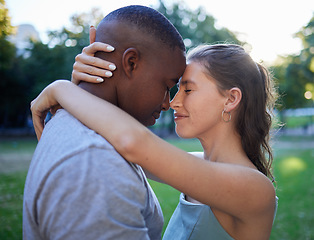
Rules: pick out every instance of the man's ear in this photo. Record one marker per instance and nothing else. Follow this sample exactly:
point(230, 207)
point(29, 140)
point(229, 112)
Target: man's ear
point(130, 61)
point(234, 96)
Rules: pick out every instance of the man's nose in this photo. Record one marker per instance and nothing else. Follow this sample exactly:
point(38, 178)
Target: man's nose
point(166, 103)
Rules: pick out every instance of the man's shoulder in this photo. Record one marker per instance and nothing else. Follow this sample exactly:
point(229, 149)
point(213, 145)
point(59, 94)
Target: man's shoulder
point(65, 139)
point(66, 125)
point(66, 132)
point(95, 161)
point(105, 165)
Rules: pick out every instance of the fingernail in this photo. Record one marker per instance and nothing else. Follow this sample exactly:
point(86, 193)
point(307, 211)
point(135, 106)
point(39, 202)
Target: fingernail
point(108, 74)
point(99, 80)
point(112, 67)
point(110, 48)
point(91, 26)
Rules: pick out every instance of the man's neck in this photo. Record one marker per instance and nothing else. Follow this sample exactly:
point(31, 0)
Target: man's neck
point(101, 90)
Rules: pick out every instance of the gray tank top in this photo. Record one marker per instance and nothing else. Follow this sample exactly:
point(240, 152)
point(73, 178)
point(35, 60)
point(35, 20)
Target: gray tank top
point(195, 222)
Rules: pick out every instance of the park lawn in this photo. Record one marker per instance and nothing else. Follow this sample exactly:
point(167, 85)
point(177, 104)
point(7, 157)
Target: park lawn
point(293, 169)
point(11, 205)
point(302, 121)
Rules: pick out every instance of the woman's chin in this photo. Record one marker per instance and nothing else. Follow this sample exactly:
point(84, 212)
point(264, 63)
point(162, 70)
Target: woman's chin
point(184, 135)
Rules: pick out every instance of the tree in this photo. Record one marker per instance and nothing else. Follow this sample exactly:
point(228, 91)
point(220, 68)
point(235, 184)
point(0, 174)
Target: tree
point(196, 27)
point(5, 21)
point(55, 60)
point(10, 87)
point(77, 35)
point(22, 78)
point(295, 73)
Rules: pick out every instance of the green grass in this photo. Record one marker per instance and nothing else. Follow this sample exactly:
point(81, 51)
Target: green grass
point(302, 121)
point(188, 145)
point(295, 179)
point(23, 145)
point(168, 198)
point(293, 169)
point(11, 205)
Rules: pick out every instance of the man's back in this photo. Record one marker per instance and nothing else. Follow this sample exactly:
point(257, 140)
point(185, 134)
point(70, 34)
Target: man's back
point(79, 187)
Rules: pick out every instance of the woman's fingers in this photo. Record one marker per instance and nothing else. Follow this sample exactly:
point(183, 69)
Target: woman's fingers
point(89, 73)
point(83, 59)
point(92, 34)
point(38, 119)
point(97, 46)
point(85, 78)
point(92, 69)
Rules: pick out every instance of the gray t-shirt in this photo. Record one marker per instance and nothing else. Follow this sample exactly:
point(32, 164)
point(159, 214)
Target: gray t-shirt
point(79, 187)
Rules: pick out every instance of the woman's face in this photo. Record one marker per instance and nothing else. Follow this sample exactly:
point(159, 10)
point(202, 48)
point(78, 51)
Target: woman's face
point(198, 104)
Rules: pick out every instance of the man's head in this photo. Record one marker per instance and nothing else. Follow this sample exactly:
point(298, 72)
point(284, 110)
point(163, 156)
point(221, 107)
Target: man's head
point(150, 59)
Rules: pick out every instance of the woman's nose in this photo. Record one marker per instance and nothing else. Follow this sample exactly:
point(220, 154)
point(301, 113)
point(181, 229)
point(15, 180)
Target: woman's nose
point(175, 103)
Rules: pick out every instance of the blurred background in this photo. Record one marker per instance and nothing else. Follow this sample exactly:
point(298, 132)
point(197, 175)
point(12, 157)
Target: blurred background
point(39, 40)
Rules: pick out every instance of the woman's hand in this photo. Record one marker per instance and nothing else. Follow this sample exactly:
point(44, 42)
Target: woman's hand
point(41, 105)
point(89, 68)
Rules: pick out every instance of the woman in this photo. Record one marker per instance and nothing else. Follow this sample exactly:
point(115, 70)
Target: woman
point(224, 100)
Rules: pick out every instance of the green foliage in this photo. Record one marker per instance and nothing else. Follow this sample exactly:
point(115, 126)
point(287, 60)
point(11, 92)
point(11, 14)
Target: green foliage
point(24, 77)
point(295, 73)
point(196, 27)
point(77, 35)
point(5, 21)
point(10, 84)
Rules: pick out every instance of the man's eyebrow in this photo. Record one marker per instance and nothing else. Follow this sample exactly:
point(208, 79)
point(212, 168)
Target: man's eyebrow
point(176, 80)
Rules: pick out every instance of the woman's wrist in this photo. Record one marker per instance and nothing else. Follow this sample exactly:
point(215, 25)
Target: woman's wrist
point(55, 91)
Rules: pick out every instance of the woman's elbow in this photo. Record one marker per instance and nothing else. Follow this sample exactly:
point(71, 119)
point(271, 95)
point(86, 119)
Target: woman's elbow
point(129, 144)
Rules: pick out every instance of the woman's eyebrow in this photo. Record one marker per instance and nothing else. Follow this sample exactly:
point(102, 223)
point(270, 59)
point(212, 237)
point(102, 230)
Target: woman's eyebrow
point(185, 82)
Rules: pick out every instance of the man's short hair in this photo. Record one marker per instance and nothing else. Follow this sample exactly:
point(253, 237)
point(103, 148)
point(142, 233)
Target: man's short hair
point(149, 21)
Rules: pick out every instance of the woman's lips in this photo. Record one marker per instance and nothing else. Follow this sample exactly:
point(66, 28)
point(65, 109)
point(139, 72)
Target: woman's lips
point(178, 116)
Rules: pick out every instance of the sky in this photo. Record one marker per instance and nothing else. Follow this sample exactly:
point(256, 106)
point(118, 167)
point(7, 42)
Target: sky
point(268, 25)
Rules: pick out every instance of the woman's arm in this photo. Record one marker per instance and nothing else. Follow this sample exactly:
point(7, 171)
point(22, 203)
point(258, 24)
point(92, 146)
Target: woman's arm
point(226, 187)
